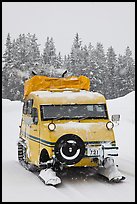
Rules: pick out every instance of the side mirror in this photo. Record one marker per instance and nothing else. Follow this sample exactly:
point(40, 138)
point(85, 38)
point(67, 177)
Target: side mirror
point(34, 115)
point(115, 118)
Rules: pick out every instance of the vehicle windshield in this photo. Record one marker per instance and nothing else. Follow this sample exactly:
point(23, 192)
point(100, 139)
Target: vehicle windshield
point(76, 111)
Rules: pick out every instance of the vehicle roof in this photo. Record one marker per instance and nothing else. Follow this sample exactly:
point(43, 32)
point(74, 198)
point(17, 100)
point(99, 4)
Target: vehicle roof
point(67, 97)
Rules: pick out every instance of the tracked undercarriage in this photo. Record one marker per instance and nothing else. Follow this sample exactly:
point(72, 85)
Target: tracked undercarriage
point(47, 171)
point(22, 157)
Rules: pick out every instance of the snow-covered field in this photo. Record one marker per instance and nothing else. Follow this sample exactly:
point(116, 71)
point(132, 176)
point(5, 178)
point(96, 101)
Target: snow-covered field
point(20, 185)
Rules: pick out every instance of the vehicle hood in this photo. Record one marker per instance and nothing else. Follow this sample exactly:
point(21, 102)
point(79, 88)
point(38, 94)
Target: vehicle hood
point(87, 131)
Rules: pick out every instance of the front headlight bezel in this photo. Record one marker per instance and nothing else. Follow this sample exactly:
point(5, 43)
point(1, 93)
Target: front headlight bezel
point(109, 125)
point(51, 126)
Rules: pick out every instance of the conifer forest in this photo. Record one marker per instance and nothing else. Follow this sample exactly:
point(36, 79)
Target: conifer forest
point(110, 73)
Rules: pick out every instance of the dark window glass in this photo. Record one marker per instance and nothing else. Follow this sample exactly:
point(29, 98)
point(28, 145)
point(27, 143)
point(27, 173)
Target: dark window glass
point(29, 106)
point(25, 107)
point(78, 111)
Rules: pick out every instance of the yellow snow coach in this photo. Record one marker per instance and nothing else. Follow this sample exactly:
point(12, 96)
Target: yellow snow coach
point(64, 125)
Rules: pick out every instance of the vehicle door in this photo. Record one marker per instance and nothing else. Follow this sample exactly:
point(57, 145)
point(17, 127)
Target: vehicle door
point(32, 130)
point(23, 121)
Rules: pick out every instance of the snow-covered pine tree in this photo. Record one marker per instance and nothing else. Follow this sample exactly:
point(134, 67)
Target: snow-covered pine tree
point(58, 69)
point(7, 56)
point(11, 83)
point(120, 77)
point(25, 53)
point(75, 55)
point(100, 70)
point(34, 51)
point(84, 66)
point(46, 52)
point(92, 67)
point(126, 73)
point(7, 68)
point(65, 62)
point(130, 67)
point(111, 77)
point(67, 65)
point(34, 58)
point(53, 56)
point(59, 61)
point(15, 52)
point(91, 56)
point(23, 49)
point(49, 56)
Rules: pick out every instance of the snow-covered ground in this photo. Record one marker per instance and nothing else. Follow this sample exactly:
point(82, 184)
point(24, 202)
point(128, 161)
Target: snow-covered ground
point(20, 185)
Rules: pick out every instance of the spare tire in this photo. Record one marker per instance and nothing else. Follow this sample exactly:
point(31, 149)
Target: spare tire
point(69, 149)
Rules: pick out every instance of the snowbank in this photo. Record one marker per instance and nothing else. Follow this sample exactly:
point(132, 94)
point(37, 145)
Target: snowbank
point(125, 106)
point(8, 105)
point(125, 131)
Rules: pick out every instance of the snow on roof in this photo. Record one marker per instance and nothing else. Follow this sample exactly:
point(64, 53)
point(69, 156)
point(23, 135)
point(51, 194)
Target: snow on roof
point(70, 96)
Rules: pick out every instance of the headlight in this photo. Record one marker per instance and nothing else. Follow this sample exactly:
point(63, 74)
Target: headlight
point(51, 126)
point(109, 125)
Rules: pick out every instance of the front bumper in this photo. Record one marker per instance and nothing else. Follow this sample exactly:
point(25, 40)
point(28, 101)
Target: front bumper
point(99, 153)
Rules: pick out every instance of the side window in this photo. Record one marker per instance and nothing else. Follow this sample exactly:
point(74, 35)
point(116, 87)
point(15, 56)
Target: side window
point(34, 115)
point(25, 107)
point(29, 106)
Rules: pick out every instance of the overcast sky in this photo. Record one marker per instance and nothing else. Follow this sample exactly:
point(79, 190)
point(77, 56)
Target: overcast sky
point(111, 23)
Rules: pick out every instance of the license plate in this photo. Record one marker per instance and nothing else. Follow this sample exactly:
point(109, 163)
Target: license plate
point(91, 151)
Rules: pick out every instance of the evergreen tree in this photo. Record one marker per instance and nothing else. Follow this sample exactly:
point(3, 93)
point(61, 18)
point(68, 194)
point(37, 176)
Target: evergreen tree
point(130, 67)
point(92, 67)
point(25, 53)
point(46, 52)
point(11, 83)
point(126, 73)
point(121, 80)
point(14, 52)
point(59, 61)
point(26, 50)
point(53, 56)
point(22, 49)
point(7, 56)
point(100, 70)
point(8, 67)
point(49, 53)
point(111, 79)
point(91, 56)
point(34, 49)
point(65, 62)
point(67, 65)
point(87, 65)
point(84, 58)
point(75, 55)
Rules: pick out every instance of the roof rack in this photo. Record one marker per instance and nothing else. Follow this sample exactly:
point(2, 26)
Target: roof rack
point(44, 83)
